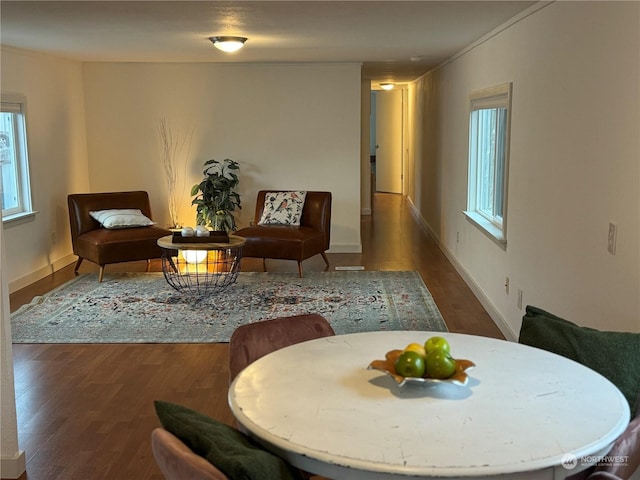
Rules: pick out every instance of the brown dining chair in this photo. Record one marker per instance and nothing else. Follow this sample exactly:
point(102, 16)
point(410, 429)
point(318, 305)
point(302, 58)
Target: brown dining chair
point(622, 460)
point(252, 341)
point(176, 461)
point(193, 446)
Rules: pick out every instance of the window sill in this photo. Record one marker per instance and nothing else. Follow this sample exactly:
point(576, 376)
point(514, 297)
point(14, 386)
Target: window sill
point(489, 229)
point(17, 216)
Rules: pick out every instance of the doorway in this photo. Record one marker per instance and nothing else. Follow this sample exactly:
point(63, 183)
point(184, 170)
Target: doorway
point(386, 141)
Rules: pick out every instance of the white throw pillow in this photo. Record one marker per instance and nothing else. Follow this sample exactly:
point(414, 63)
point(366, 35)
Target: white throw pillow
point(283, 208)
point(121, 218)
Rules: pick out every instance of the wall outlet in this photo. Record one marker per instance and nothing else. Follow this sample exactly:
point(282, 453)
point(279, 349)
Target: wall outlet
point(613, 233)
point(506, 285)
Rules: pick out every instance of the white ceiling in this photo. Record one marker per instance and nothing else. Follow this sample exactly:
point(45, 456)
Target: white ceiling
point(395, 40)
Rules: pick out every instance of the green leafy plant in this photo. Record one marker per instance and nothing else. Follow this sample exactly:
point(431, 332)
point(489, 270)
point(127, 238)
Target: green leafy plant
point(215, 196)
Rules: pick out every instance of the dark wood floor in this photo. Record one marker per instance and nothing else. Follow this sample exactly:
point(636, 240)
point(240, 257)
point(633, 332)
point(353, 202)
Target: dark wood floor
point(85, 412)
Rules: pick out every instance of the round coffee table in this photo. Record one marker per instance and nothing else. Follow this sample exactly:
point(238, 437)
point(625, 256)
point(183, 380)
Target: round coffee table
point(203, 267)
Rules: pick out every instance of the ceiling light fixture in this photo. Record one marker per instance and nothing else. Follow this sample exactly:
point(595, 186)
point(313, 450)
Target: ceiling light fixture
point(228, 44)
point(387, 86)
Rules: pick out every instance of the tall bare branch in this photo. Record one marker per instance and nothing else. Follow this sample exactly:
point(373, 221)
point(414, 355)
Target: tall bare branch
point(174, 162)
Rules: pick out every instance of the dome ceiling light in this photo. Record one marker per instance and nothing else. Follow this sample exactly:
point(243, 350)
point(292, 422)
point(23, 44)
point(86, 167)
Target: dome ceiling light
point(228, 44)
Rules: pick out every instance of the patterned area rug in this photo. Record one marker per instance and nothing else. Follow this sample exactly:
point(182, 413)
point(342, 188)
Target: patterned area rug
point(143, 308)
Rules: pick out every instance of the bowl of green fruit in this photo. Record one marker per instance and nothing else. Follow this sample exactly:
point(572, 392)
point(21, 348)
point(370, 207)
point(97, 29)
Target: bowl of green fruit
point(425, 364)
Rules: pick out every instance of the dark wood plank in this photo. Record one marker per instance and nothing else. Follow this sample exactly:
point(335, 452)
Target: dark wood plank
point(86, 411)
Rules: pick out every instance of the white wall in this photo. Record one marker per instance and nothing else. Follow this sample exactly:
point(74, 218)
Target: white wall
point(58, 161)
point(574, 166)
point(289, 127)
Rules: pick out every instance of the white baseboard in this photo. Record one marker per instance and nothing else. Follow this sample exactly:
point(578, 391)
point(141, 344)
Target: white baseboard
point(13, 467)
point(423, 224)
point(345, 248)
point(41, 273)
point(493, 312)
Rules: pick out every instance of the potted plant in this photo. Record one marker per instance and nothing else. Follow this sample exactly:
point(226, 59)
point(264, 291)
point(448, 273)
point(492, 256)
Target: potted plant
point(215, 197)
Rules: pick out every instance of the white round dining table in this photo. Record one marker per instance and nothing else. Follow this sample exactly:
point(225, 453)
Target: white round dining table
point(524, 413)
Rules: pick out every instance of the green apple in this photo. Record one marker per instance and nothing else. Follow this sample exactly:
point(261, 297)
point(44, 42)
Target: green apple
point(439, 364)
point(437, 343)
point(410, 364)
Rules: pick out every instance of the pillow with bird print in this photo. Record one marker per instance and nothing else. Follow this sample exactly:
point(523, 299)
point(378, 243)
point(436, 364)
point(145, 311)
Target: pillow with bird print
point(282, 208)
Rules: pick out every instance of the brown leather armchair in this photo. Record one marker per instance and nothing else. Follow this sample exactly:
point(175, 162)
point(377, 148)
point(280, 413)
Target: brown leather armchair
point(290, 242)
point(103, 246)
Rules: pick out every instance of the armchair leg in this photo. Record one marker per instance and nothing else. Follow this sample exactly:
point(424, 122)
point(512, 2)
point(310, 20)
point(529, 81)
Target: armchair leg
point(101, 274)
point(300, 268)
point(324, 257)
point(148, 265)
point(264, 264)
point(75, 270)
